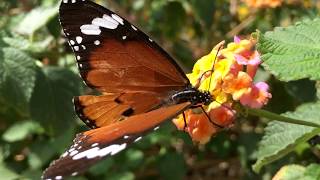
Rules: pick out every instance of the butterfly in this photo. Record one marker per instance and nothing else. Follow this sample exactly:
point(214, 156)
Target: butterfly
point(141, 85)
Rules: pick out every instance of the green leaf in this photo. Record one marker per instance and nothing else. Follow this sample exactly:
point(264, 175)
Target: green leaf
point(293, 52)
point(204, 10)
point(290, 172)
point(17, 79)
point(318, 89)
point(20, 130)
point(122, 176)
point(172, 166)
point(312, 172)
point(281, 138)
point(31, 174)
point(36, 19)
point(51, 103)
point(7, 174)
point(303, 90)
point(23, 44)
point(298, 172)
point(134, 158)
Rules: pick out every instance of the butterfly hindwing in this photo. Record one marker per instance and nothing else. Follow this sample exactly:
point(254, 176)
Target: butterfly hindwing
point(99, 111)
point(94, 145)
point(115, 56)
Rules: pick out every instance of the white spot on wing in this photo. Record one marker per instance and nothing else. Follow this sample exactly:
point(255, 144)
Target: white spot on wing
point(150, 40)
point(134, 28)
point(78, 58)
point(90, 153)
point(74, 153)
point(124, 37)
point(108, 23)
point(90, 29)
point(73, 1)
point(74, 174)
point(125, 137)
point(97, 152)
point(79, 39)
point(113, 149)
point(156, 128)
point(72, 42)
point(94, 145)
point(65, 1)
point(138, 139)
point(64, 154)
point(117, 18)
point(76, 48)
point(58, 177)
point(97, 42)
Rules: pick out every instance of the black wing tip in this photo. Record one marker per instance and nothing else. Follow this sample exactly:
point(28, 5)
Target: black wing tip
point(78, 108)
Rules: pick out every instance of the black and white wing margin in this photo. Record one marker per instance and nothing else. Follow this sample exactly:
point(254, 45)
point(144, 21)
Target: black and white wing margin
point(93, 145)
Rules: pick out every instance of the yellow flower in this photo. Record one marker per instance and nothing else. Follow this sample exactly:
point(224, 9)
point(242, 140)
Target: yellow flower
point(227, 82)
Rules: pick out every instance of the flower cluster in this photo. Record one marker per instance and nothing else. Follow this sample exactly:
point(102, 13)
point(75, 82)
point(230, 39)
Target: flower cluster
point(228, 75)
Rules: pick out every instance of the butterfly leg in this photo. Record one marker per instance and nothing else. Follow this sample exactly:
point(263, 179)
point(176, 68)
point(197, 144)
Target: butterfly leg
point(185, 121)
point(210, 118)
point(204, 111)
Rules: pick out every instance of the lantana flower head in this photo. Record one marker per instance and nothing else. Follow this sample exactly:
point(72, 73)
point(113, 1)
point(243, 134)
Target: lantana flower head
point(227, 73)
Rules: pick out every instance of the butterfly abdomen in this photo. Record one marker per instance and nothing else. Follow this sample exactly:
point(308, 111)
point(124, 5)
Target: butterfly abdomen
point(192, 95)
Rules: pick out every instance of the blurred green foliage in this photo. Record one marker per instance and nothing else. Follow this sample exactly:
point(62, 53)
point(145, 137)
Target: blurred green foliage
point(38, 78)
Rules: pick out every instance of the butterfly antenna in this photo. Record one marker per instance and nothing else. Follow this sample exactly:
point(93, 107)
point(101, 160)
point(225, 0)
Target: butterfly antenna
point(212, 69)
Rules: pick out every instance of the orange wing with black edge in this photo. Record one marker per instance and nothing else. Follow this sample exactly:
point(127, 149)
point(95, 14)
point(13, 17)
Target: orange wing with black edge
point(94, 145)
point(113, 55)
point(99, 111)
point(133, 74)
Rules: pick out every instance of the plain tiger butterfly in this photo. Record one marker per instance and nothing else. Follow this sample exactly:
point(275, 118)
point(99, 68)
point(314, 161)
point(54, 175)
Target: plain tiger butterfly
point(141, 85)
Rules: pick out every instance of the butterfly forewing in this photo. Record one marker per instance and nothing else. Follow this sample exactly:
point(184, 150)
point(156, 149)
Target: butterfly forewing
point(114, 55)
point(91, 146)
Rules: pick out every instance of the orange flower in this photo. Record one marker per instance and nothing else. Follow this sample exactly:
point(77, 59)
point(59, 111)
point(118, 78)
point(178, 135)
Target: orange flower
point(257, 96)
point(222, 115)
point(200, 128)
point(237, 85)
point(231, 80)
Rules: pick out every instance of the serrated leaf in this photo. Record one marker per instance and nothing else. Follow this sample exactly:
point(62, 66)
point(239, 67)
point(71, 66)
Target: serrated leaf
point(51, 103)
point(17, 79)
point(281, 138)
point(21, 130)
point(292, 53)
point(36, 19)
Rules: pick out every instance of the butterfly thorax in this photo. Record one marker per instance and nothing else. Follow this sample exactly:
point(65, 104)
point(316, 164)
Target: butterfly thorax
point(192, 95)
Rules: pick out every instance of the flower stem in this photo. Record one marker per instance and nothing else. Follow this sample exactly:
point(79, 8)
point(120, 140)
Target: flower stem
point(277, 117)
